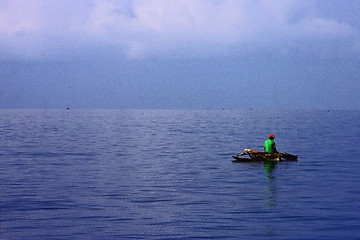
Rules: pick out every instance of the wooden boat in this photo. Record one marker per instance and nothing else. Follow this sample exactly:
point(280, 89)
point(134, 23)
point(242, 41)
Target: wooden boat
point(253, 155)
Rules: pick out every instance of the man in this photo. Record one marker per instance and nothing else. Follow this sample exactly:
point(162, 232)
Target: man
point(269, 145)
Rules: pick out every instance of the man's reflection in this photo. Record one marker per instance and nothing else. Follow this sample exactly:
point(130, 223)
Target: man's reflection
point(270, 189)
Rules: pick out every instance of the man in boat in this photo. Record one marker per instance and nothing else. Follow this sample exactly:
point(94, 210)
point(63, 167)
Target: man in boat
point(269, 145)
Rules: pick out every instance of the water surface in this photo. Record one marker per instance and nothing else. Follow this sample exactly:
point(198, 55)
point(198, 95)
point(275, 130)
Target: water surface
point(111, 174)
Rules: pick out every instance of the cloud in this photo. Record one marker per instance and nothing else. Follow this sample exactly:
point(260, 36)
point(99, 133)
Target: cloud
point(179, 28)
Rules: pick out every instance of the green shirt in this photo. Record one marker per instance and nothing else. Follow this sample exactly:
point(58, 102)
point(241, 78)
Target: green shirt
point(269, 146)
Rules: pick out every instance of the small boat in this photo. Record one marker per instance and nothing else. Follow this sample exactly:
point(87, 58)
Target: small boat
point(253, 156)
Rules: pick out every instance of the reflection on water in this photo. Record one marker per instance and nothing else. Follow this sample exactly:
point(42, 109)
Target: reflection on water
point(269, 167)
point(270, 193)
point(270, 189)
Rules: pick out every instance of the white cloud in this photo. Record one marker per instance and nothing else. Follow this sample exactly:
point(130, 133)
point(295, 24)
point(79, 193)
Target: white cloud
point(325, 28)
point(141, 28)
point(19, 16)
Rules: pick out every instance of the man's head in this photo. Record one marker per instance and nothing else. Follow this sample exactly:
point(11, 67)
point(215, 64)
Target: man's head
point(271, 136)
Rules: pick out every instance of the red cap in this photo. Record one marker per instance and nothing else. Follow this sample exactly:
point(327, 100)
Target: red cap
point(271, 136)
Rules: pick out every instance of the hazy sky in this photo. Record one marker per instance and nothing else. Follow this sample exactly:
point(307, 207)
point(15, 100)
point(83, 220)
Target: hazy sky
point(180, 54)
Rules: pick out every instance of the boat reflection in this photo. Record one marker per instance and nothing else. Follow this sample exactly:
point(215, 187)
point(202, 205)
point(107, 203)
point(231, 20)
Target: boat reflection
point(270, 193)
point(270, 188)
point(269, 167)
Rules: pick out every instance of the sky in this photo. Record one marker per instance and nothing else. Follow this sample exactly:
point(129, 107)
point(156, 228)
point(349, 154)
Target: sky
point(180, 54)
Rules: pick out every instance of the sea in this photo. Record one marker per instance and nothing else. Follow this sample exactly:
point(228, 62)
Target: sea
point(168, 174)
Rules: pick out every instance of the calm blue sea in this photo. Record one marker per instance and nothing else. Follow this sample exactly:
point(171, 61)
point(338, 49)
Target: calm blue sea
point(160, 174)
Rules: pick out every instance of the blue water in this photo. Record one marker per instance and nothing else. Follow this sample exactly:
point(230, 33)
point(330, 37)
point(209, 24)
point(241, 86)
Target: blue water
point(119, 174)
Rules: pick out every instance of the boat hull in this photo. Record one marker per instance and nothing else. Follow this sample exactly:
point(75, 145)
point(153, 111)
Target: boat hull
point(257, 156)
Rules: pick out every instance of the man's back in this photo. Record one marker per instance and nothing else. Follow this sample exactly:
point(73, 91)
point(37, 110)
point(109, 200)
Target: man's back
point(269, 146)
